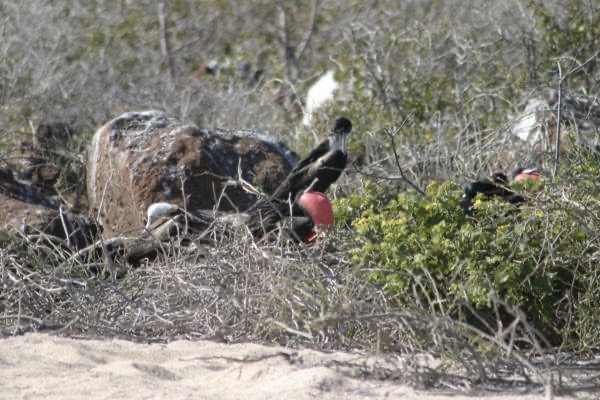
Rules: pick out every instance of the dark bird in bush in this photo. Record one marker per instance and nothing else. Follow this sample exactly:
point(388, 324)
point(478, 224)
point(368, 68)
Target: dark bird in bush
point(325, 163)
point(298, 218)
point(166, 221)
point(309, 213)
point(267, 214)
point(496, 186)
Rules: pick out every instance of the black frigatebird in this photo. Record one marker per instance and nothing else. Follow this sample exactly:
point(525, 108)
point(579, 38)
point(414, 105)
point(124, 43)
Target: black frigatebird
point(166, 220)
point(496, 186)
point(325, 163)
point(268, 213)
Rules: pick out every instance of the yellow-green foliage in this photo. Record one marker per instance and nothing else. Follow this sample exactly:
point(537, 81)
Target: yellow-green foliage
point(426, 248)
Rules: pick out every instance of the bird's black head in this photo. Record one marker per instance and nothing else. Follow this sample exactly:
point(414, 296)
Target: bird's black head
point(500, 178)
point(342, 126)
point(470, 191)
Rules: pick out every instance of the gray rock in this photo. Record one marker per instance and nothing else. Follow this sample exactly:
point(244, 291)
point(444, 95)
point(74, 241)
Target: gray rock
point(147, 157)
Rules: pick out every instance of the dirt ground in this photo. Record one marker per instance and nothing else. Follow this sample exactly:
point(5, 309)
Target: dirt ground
point(40, 366)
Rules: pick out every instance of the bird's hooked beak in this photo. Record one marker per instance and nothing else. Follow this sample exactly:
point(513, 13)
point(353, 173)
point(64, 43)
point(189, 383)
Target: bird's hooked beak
point(344, 140)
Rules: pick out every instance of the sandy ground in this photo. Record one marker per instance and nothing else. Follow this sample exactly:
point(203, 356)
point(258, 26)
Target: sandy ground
point(39, 366)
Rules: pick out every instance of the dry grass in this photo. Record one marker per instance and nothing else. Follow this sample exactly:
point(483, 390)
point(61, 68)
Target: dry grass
point(398, 63)
point(238, 289)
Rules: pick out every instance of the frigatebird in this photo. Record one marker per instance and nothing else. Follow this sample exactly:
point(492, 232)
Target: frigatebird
point(267, 214)
point(497, 186)
point(325, 163)
point(166, 220)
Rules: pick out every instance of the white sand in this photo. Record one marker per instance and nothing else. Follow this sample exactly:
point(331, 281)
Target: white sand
point(39, 366)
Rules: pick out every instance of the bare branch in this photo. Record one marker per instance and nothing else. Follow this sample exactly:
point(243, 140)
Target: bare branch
point(397, 160)
point(165, 46)
point(558, 111)
point(311, 28)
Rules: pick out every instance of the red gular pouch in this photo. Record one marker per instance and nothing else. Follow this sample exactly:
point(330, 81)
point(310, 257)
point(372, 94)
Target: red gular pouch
point(318, 206)
point(531, 173)
point(530, 181)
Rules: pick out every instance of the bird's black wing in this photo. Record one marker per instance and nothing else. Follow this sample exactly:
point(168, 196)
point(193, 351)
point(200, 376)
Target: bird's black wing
point(267, 215)
point(301, 175)
point(328, 169)
point(312, 157)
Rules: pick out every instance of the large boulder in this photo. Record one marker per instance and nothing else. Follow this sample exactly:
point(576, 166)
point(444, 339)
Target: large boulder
point(147, 157)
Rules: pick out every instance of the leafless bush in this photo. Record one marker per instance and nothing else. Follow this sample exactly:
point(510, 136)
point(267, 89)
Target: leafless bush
point(238, 289)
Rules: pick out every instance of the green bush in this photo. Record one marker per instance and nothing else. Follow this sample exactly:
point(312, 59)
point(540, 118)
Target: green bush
point(537, 259)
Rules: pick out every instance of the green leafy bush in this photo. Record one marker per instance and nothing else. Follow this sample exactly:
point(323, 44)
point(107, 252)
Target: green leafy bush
point(537, 259)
